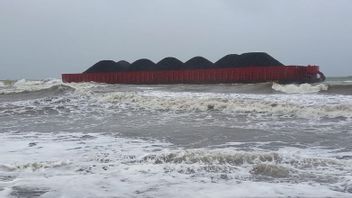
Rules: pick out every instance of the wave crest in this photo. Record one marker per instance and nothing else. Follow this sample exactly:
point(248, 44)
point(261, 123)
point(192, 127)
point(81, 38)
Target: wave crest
point(299, 88)
point(212, 158)
point(24, 85)
point(279, 105)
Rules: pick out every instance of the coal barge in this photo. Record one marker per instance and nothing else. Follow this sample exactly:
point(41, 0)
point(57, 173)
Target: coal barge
point(254, 67)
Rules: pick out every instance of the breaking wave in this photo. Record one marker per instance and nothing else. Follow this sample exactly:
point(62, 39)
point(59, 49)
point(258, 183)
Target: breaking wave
point(35, 166)
point(336, 89)
point(24, 85)
point(285, 163)
point(212, 157)
point(301, 88)
point(280, 105)
point(43, 86)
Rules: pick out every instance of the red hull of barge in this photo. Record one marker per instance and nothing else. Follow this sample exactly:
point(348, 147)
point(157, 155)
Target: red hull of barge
point(282, 74)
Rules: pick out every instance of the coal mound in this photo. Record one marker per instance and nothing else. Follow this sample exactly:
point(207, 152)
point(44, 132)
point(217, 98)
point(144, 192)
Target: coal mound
point(108, 66)
point(123, 65)
point(198, 62)
point(103, 66)
point(230, 60)
point(170, 63)
point(142, 64)
point(257, 59)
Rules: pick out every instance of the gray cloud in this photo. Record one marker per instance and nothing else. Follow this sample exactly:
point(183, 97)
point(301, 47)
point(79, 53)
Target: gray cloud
point(41, 38)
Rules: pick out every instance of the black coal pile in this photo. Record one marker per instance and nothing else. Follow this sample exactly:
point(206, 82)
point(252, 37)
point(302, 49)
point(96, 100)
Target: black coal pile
point(103, 66)
point(142, 64)
point(170, 63)
point(257, 59)
point(108, 66)
point(230, 60)
point(123, 65)
point(198, 62)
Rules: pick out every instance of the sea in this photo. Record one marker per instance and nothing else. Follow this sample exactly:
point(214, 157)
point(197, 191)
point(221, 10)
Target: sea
point(225, 140)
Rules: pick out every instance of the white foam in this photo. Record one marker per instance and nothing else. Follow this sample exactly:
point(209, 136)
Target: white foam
point(96, 165)
point(299, 88)
point(24, 85)
point(314, 106)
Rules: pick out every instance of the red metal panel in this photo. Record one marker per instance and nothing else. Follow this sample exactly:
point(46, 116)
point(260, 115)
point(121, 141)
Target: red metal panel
point(111, 77)
point(105, 78)
point(194, 76)
point(237, 75)
point(133, 77)
point(147, 77)
point(250, 74)
point(102, 78)
point(201, 76)
point(137, 77)
point(215, 75)
point(99, 77)
point(171, 77)
point(150, 77)
point(144, 74)
point(115, 79)
point(108, 77)
point(187, 76)
point(227, 75)
point(125, 77)
point(119, 77)
point(122, 77)
point(142, 77)
point(129, 77)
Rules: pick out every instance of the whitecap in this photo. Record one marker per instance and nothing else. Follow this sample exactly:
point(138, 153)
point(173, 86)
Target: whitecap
point(299, 88)
point(313, 106)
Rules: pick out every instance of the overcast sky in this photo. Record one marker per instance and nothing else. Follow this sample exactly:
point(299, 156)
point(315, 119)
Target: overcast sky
point(44, 38)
